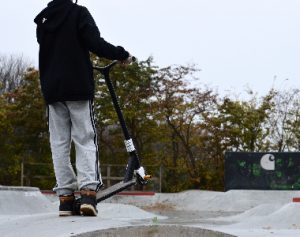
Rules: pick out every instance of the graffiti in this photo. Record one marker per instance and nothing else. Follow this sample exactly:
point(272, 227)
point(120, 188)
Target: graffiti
point(267, 171)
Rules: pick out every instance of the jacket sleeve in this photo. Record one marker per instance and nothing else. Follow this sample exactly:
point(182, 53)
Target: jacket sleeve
point(92, 39)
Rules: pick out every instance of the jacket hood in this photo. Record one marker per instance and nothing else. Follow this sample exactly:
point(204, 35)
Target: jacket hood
point(54, 14)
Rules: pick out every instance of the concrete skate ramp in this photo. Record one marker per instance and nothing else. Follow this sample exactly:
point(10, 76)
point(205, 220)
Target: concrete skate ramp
point(196, 200)
point(286, 217)
point(154, 231)
point(23, 201)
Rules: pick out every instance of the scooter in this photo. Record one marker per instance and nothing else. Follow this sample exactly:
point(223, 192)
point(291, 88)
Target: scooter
point(134, 173)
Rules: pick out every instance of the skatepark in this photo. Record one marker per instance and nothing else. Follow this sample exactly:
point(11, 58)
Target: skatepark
point(245, 213)
point(210, 92)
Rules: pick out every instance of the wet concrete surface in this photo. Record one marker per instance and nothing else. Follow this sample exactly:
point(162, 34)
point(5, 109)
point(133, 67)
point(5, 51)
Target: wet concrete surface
point(176, 217)
point(243, 213)
point(155, 231)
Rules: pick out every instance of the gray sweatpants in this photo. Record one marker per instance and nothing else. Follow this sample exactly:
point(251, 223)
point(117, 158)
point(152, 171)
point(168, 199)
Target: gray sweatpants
point(74, 121)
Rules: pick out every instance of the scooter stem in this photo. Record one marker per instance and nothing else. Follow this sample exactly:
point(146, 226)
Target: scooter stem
point(134, 160)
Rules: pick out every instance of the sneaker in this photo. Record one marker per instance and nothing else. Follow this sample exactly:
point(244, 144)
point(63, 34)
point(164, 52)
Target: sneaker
point(88, 205)
point(66, 205)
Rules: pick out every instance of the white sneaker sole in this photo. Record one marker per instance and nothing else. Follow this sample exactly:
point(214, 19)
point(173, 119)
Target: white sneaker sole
point(87, 210)
point(65, 213)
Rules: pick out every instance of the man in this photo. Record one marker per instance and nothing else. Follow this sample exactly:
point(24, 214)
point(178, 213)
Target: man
point(67, 33)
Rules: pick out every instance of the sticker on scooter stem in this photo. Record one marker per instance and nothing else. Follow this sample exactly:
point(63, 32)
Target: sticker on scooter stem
point(129, 145)
point(267, 162)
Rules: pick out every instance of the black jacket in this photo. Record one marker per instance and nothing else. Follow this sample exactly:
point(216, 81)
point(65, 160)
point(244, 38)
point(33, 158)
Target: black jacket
point(67, 33)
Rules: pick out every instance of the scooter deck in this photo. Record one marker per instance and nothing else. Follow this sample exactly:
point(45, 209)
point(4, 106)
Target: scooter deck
point(114, 189)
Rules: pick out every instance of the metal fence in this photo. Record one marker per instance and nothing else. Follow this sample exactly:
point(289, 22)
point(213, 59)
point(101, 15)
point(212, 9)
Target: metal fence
point(111, 174)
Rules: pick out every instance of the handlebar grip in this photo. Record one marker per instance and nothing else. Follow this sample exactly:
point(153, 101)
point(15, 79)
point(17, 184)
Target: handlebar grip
point(132, 59)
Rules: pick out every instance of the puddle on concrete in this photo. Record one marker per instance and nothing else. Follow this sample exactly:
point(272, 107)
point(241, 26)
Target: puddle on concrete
point(175, 217)
point(155, 231)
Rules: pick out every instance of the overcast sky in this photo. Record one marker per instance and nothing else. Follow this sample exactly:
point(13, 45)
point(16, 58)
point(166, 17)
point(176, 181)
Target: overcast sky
point(236, 43)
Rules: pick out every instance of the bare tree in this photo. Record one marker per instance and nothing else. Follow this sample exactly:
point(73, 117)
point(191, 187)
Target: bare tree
point(12, 69)
point(284, 122)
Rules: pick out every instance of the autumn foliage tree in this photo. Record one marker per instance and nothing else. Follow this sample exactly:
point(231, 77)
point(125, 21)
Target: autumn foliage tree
point(24, 131)
point(179, 129)
point(180, 111)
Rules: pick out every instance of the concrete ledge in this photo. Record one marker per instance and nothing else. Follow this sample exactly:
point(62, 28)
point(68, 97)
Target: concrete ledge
point(18, 188)
point(23, 201)
point(154, 231)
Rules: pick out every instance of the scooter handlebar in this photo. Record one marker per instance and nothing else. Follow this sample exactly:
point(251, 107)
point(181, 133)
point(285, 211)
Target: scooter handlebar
point(113, 63)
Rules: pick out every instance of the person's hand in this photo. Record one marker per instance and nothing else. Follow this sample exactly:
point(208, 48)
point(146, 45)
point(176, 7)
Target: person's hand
point(128, 60)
